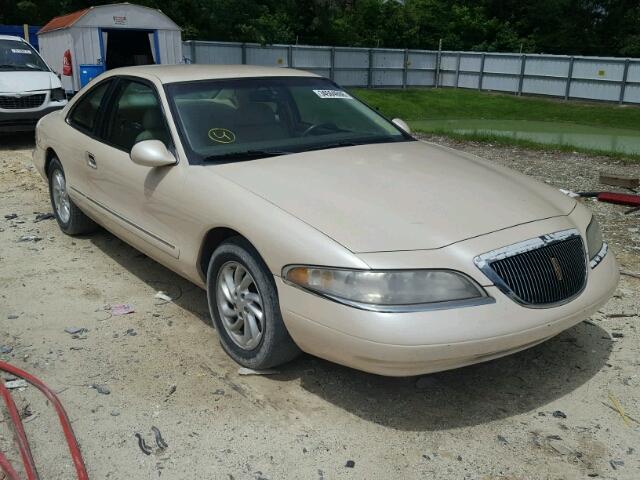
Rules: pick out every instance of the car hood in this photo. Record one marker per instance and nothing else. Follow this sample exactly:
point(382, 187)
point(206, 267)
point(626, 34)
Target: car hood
point(398, 196)
point(27, 81)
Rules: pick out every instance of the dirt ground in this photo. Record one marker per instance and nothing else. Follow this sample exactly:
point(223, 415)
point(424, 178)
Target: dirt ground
point(546, 413)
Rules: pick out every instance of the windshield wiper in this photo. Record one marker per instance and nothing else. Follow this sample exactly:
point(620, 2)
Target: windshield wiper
point(349, 143)
point(326, 146)
point(345, 143)
point(245, 155)
point(8, 65)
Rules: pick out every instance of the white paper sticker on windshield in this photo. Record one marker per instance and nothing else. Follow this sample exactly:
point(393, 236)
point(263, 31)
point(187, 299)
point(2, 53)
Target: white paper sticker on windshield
point(332, 94)
point(20, 50)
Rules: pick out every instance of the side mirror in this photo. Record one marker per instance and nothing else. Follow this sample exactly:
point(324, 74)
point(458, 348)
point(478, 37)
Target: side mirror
point(152, 153)
point(401, 124)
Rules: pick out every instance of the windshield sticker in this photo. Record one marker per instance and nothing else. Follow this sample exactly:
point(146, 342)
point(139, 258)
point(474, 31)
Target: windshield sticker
point(222, 135)
point(20, 50)
point(332, 94)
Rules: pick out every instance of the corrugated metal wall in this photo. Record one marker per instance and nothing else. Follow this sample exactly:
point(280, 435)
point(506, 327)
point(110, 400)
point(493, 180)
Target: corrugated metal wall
point(52, 51)
point(591, 78)
point(170, 45)
point(86, 50)
point(84, 43)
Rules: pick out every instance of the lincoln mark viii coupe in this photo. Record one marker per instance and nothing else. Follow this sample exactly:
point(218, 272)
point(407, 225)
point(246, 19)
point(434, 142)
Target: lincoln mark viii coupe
point(315, 224)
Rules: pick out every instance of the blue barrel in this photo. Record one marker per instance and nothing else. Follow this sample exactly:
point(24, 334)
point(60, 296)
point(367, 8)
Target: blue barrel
point(89, 72)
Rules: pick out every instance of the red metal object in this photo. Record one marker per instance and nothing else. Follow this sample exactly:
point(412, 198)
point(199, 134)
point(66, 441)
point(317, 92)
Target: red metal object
point(23, 446)
point(21, 436)
point(67, 67)
point(620, 198)
point(7, 468)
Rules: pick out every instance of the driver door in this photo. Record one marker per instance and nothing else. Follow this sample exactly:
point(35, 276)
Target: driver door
point(139, 201)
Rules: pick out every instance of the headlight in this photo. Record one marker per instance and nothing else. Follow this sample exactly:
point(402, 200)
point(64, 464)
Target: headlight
point(58, 94)
point(390, 290)
point(596, 248)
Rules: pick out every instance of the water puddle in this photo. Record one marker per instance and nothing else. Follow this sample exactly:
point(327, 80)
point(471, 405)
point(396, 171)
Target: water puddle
point(596, 138)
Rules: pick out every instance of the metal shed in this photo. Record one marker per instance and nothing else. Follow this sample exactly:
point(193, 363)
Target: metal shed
point(100, 38)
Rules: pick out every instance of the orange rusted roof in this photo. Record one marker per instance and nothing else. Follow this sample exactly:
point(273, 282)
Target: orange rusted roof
point(63, 21)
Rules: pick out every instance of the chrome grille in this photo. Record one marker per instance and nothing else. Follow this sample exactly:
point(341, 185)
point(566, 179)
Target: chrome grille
point(542, 272)
point(15, 103)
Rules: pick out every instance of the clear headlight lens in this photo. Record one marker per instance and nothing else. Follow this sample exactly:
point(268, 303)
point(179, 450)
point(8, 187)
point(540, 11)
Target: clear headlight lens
point(385, 288)
point(596, 248)
point(594, 238)
point(58, 94)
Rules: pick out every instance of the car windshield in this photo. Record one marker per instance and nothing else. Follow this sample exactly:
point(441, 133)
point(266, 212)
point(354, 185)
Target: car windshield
point(16, 55)
point(241, 119)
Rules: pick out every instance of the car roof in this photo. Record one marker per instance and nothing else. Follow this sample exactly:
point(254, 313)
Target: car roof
point(185, 73)
point(12, 37)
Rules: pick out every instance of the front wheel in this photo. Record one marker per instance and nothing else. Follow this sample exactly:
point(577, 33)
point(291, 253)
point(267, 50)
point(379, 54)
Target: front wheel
point(243, 302)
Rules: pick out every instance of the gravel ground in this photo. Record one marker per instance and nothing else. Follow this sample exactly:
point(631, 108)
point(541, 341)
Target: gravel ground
point(546, 413)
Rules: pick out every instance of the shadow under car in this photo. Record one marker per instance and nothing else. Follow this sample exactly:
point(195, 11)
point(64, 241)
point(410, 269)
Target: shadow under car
point(467, 396)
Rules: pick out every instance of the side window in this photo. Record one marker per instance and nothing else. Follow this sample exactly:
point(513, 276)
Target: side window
point(136, 116)
point(85, 112)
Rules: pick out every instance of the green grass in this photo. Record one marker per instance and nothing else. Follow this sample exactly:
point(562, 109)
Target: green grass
point(449, 103)
point(419, 105)
point(531, 145)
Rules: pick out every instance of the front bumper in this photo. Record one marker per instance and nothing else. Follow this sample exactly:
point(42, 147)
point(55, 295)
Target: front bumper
point(23, 121)
point(19, 120)
point(417, 343)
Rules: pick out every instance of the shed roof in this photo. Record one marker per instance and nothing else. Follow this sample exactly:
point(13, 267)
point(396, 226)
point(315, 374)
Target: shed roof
point(64, 21)
point(107, 15)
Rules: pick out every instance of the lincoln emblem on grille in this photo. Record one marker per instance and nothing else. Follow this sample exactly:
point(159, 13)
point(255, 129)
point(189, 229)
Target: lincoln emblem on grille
point(556, 268)
point(544, 271)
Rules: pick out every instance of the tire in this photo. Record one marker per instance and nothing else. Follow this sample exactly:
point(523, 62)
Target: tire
point(272, 345)
point(70, 218)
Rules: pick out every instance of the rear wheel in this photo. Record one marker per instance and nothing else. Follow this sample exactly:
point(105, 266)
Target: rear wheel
point(243, 302)
point(71, 219)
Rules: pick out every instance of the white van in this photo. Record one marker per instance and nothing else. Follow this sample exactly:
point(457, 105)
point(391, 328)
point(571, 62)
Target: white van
point(28, 88)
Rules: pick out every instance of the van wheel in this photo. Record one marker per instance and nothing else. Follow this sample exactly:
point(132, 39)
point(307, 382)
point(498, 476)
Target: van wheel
point(244, 307)
point(71, 219)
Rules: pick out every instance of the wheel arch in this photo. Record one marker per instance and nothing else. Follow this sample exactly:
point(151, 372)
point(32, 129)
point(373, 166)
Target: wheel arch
point(212, 240)
point(49, 155)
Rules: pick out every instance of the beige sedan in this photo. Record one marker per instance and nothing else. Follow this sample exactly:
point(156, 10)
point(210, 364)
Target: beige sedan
point(315, 224)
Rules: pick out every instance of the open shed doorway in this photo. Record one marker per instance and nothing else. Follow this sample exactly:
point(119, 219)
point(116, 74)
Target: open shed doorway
point(126, 48)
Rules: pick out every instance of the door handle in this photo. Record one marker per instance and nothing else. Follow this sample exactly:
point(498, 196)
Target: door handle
point(91, 160)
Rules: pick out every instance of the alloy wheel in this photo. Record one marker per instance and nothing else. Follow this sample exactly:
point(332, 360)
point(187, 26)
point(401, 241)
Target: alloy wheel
point(240, 305)
point(60, 196)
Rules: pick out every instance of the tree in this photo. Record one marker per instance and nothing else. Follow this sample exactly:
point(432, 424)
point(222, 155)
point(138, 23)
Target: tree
point(575, 27)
